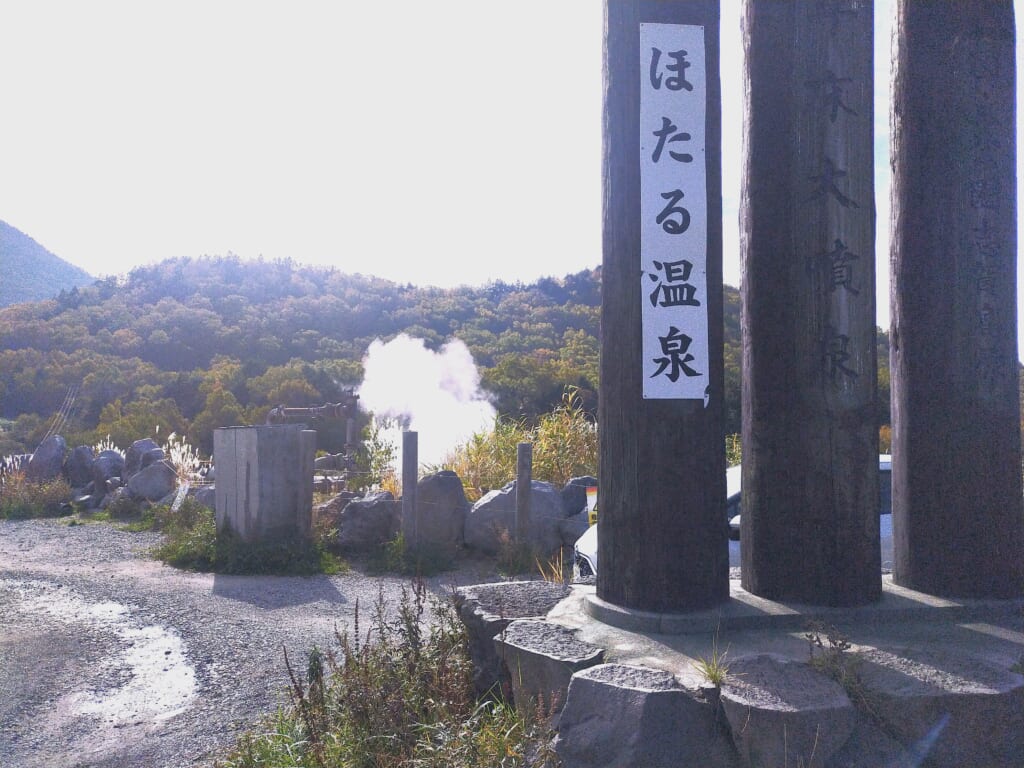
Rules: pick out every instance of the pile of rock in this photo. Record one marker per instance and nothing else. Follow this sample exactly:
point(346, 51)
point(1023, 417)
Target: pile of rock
point(143, 474)
point(445, 519)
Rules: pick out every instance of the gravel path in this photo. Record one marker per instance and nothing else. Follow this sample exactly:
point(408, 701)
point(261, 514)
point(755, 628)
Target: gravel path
point(111, 659)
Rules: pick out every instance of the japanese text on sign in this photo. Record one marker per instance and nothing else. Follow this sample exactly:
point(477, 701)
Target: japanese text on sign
point(673, 210)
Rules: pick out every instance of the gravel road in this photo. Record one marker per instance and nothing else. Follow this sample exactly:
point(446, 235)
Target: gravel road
point(110, 659)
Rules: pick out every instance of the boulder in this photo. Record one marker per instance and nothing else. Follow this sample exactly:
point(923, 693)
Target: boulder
point(370, 521)
point(784, 712)
point(154, 482)
point(574, 494)
point(78, 467)
point(105, 466)
point(493, 517)
point(48, 459)
point(541, 657)
point(441, 509)
point(571, 528)
point(133, 457)
point(623, 716)
point(946, 705)
point(487, 609)
point(152, 457)
point(204, 495)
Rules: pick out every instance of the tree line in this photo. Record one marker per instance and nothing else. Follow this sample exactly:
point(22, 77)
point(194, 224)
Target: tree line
point(192, 344)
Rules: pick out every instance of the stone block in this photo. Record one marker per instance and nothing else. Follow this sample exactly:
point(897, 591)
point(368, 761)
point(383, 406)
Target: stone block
point(487, 609)
point(633, 717)
point(783, 712)
point(541, 657)
point(953, 708)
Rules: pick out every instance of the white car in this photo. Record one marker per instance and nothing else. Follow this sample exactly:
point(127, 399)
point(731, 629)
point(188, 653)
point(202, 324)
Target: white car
point(585, 549)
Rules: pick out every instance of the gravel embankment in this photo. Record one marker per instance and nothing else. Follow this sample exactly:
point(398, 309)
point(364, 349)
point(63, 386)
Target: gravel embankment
point(109, 659)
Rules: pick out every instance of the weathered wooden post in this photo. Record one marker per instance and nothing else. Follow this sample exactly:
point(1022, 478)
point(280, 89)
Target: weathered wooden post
point(810, 435)
point(958, 528)
point(663, 542)
point(264, 490)
point(410, 477)
point(524, 490)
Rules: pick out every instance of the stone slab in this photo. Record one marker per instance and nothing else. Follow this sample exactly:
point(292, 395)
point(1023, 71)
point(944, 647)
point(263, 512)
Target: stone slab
point(635, 717)
point(783, 712)
point(541, 657)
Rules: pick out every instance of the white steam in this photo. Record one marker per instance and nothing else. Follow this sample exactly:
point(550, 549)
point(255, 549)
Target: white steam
point(436, 394)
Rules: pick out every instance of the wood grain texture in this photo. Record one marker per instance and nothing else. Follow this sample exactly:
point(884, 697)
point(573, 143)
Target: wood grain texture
point(663, 543)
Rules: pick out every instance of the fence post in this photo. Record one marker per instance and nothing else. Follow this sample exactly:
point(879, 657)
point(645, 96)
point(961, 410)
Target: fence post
point(410, 467)
point(524, 486)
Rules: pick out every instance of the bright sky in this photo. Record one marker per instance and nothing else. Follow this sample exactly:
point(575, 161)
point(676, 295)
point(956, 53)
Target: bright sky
point(455, 141)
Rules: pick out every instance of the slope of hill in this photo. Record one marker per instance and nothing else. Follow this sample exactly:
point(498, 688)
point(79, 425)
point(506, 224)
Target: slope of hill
point(29, 272)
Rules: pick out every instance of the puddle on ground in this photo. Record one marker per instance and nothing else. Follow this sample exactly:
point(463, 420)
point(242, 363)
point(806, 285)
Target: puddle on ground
point(160, 682)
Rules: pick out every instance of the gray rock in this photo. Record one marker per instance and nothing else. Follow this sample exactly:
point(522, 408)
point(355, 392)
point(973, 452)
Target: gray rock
point(541, 657)
point(574, 494)
point(783, 710)
point(78, 466)
point(370, 521)
point(619, 716)
point(151, 457)
point(154, 482)
point(494, 516)
point(487, 609)
point(571, 528)
point(48, 460)
point(441, 509)
point(204, 495)
point(946, 705)
point(105, 466)
point(870, 747)
point(134, 454)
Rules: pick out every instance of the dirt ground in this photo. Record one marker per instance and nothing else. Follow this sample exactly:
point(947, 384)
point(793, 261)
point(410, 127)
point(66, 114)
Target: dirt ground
point(110, 659)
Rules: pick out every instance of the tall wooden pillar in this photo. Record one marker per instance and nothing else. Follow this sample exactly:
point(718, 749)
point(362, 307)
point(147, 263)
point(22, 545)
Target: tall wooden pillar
point(663, 542)
point(810, 528)
point(958, 528)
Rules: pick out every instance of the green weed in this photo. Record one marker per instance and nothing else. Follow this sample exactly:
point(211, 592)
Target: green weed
point(21, 499)
point(192, 543)
point(401, 696)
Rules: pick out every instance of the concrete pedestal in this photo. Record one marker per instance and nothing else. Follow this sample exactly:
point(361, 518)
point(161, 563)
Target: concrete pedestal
point(264, 486)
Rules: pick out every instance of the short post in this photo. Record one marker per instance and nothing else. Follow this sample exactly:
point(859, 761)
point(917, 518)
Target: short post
point(410, 476)
point(524, 486)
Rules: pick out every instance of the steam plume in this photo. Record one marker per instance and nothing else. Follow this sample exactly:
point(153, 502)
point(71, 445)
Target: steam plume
point(436, 394)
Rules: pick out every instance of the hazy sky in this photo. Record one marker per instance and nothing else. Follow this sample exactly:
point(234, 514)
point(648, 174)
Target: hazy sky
point(444, 142)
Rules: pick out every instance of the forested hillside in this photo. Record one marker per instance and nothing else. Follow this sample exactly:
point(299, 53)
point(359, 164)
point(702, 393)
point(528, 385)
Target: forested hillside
point(29, 272)
point(193, 344)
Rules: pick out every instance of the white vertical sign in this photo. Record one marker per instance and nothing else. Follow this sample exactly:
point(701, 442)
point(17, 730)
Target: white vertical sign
point(673, 210)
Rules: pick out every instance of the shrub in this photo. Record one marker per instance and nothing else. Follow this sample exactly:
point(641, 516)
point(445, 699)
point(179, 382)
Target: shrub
point(401, 696)
point(564, 446)
point(21, 498)
point(192, 543)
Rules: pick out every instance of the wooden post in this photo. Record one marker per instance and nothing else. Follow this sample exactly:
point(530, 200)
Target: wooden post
point(524, 488)
point(958, 528)
point(663, 542)
point(410, 476)
point(810, 528)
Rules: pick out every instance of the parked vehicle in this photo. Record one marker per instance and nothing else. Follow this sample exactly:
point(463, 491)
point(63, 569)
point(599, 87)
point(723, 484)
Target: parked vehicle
point(585, 549)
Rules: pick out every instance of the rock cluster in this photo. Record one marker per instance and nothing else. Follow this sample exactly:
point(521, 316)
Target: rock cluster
point(446, 521)
point(143, 474)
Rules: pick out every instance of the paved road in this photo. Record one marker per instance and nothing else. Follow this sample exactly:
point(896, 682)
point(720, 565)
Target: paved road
point(109, 659)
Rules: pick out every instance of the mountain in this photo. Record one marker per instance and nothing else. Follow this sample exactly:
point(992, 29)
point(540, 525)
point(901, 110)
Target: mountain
point(29, 272)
